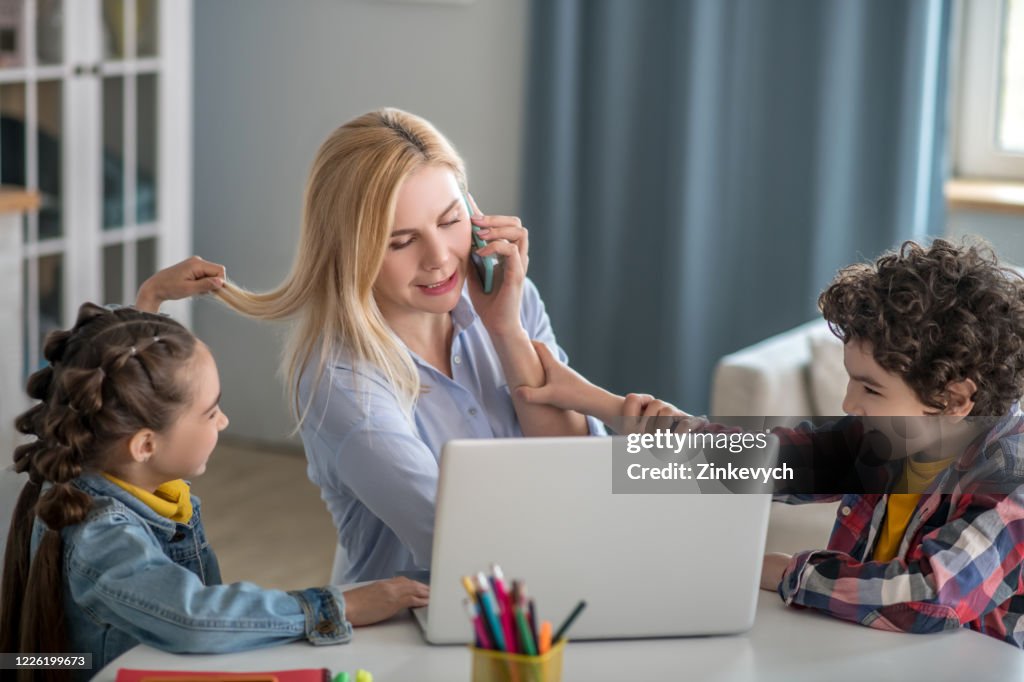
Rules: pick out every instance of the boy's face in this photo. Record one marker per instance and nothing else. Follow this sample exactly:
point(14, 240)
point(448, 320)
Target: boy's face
point(884, 400)
point(873, 391)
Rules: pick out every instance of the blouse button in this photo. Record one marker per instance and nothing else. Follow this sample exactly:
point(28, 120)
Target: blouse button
point(457, 359)
point(472, 412)
point(845, 511)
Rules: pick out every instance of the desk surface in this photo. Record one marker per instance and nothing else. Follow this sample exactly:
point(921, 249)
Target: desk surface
point(784, 644)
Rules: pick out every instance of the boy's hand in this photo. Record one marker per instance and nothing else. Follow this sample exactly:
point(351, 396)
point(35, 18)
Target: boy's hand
point(639, 409)
point(774, 566)
point(646, 405)
point(381, 600)
point(190, 277)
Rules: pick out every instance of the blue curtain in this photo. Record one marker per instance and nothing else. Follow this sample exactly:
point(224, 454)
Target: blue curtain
point(697, 170)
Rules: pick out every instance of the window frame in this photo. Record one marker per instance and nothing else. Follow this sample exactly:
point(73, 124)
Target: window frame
point(979, 75)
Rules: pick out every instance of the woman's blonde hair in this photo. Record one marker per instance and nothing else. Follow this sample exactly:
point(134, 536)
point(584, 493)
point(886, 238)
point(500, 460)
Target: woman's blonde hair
point(348, 214)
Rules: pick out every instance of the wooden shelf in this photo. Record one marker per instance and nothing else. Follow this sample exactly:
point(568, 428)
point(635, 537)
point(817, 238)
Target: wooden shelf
point(17, 199)
point(993, 196)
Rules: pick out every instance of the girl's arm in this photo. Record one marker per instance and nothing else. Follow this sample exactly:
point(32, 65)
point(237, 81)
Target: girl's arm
point(122, 577)
point(190, 277)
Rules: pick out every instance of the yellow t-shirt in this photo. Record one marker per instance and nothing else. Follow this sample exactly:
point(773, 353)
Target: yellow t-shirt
point(171, 500)
point(900, 507)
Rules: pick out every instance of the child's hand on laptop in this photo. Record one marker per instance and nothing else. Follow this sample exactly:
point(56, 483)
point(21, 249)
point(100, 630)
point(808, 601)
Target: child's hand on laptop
point(380, 600)
point(772, 569)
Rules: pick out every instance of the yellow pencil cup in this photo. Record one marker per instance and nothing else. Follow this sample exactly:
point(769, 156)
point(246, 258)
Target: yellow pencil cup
point(498, 666)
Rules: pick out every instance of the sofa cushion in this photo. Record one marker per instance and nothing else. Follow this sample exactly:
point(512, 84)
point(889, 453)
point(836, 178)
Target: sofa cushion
point(828, 374)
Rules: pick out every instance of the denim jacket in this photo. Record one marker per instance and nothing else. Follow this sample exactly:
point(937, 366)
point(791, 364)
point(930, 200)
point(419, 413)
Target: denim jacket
point(132, 576)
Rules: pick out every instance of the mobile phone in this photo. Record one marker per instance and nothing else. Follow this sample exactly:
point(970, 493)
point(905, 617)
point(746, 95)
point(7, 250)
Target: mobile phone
point(487, 267)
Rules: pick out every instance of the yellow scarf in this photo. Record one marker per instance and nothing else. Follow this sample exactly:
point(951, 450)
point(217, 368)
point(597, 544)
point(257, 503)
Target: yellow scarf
point(171, 500)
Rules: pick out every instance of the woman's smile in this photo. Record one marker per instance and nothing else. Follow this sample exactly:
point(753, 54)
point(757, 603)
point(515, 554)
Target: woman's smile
point(442, 287)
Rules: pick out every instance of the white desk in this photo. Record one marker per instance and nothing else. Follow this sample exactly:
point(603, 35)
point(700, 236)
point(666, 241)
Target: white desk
point(784, 644)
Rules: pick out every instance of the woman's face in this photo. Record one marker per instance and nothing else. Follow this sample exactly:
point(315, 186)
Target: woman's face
point(426, 260)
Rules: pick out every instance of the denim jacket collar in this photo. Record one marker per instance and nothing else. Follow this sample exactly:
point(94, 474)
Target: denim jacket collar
point(98, 486)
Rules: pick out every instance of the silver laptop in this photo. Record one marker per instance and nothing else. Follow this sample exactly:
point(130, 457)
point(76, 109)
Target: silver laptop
point(650, 565)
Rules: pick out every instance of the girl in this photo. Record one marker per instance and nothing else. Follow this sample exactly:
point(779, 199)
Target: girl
point(396, 349)
point(106, 547)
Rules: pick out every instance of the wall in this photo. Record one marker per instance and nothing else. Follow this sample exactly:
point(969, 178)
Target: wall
point(272, 79)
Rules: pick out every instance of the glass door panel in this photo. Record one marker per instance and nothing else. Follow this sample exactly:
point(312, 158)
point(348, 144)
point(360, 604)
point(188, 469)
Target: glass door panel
point(12, 34)
point(113, 273)
point(49, 143)
point(146, 153)
point(147, 18)
point(49, 31)
point(113, 162)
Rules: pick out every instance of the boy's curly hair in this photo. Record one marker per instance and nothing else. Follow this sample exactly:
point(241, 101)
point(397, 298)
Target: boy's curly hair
point(937, 315)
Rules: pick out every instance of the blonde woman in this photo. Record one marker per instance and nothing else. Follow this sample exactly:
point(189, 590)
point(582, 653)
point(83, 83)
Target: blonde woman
point(395, 349)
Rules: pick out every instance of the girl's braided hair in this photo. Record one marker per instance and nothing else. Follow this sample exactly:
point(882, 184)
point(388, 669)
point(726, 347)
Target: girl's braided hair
point(114, 373)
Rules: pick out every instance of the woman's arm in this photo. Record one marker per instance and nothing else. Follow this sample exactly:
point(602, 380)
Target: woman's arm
point(513, 314)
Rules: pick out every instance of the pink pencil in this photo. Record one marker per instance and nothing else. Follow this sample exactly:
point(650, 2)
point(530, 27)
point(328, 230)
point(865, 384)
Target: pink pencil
point(501, 592)
point(482, 639)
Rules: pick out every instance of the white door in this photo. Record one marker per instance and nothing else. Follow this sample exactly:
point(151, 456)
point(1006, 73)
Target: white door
point(95, 106)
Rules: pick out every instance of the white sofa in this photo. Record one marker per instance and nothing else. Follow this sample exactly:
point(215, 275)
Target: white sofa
point(797, 373)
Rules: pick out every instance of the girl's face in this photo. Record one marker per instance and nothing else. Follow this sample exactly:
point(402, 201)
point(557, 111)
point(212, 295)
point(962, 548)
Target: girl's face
point(428, 249)
point(183, 449)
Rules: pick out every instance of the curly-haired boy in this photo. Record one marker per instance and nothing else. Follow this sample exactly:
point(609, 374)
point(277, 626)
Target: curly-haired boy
point(926, 331)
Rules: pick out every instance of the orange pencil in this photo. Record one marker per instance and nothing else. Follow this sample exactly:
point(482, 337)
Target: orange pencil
point(545, 637)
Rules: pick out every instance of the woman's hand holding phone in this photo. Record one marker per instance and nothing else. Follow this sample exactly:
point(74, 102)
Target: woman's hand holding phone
point(505, 237)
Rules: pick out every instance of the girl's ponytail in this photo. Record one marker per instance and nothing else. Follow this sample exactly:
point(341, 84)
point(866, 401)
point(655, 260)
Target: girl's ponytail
point(16, 565)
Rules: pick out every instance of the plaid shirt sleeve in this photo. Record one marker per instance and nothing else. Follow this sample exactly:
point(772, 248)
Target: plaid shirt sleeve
point(960, 572)
point(800, 446)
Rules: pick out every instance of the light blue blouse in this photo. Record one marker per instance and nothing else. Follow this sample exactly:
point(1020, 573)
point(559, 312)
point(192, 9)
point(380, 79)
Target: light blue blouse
point(376, 471)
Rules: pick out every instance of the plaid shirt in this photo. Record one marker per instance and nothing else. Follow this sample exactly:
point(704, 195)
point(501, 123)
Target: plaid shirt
point(960, 561)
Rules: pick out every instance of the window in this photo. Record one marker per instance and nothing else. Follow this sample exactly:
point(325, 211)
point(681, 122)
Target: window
point(990, 116)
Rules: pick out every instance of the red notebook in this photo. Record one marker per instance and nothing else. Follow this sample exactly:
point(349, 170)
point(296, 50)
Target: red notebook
point(306, 675)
